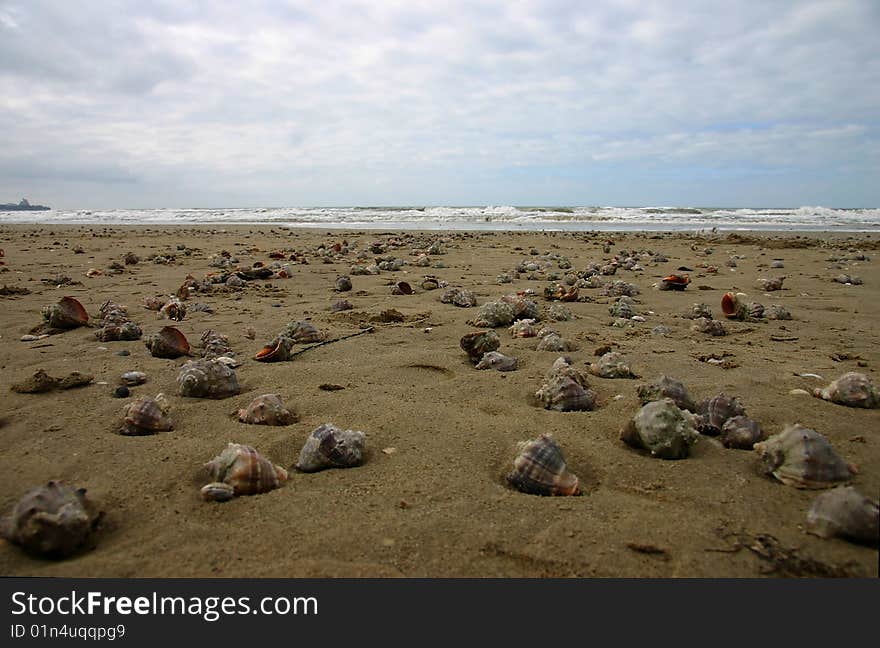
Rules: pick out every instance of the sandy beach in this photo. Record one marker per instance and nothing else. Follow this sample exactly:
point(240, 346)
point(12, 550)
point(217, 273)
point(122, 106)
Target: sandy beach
point(431, 499)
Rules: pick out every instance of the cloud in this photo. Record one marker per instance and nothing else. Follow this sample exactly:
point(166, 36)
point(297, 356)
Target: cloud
point(347, 102)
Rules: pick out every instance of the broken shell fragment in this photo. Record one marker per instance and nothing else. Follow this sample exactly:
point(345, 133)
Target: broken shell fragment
point(803, 458)
point(145, 416)
point(245, 470)
point(479, 343)
point(852, 389)
point(331, 447)
point(540, 469)
point(67, 313)
point(51, 521)
point(207, 379)
point(666, 387)
point(217, 492)
point(169, 343)
point(267, 409)
point(844, 512)
point(661, 428)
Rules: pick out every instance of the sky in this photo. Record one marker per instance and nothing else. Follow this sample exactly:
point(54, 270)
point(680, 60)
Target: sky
point(145, 103)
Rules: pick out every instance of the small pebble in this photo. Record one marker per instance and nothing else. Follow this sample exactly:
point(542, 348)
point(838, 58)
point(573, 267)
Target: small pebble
point(121, 392)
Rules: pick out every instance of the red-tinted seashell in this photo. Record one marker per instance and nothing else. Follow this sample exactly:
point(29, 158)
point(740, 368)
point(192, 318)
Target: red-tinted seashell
point(728, 304)
point(68, 313)
point(168, 343)
point(675, 282)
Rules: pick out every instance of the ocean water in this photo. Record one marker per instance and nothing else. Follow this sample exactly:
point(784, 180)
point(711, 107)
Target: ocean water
point(804, 219)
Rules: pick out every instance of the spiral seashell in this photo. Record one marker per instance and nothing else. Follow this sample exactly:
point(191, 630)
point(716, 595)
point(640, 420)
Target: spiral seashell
point(847, 279)
point(612, 365)
point(174, 309)
point(245, 470)
point(803, 458)
point(459, 297)
point(145, 416)
point(716, 411)
point(68, 313)
point(539, 469)
point(331, 447)
point(523, 328)
point(623, 307)
point(126, 331)
point(497, 361)
point(852, 389)
point(666, 387)
point(661, 428)
point(168, 343)
point(154, 303)
point(734, 306)
point(215, 345)
point(51, 521)
point(699, 310)
point(343, 284)
point(112, 313)
point(477, 344)
point(844, 512)
point(267, 409)
point(563, 366)
point(709, 327)
point(302, 332)
point(564, 394)
point(522, 308)
point(552, 341)
point(559, 313)
point(674, 282)
point(755, 310)
point(777, 312)
point(494, 314)
point(278, 350)
point(207, 379)
point(769, 285)
point(741, 432)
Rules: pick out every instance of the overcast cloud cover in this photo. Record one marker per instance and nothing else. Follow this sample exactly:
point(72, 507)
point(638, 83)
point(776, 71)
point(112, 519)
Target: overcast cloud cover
point(274, 103)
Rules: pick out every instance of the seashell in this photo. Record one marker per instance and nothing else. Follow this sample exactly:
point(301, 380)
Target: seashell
point(430, 283)
point(803, 458)
point(154, 303)
point(343, 283)
point(51, 521)
point(674, 282)
point(522, 308)
point(755, 310)
point(278, 350)
point(735, 306)
point(666, 387)
point(494, 314)
point(302, 332)
point(741, 432)
point(245, 470)
point(234, 281)
point(401, 288)
point(844, 512)
point(168, 343)
point(126, 331)
point(559, 313)
point(477, 344)
point(770, 285)
point(699, 310)
point(523, 328)
point(708, 326)
point(145, 416)
point(563, 366)
point(620, 287)
point(539, 469)
point(662, 428)
point(174, 309)
point(68, 313)
point(131, 258)
point(715, 411)
point(132, 378)
point(612, 365)
point(331, 447)
point(340, 305)
point(207, 379)
point(497, 361)
point(777, 312)
point(113, 313)
point(554, 342)
point(267, 409)
point(623, 307)
point(847, 279)
point(215, 345)
point(459, 297)
point(563, 393)
point(559, 292)
point(217, 492)
point(851, 389)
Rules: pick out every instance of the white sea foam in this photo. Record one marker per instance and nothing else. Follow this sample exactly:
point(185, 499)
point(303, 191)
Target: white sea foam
point(497, 217)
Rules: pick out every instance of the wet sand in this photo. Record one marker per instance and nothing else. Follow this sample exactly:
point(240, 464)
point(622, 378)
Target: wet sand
point(437, 505)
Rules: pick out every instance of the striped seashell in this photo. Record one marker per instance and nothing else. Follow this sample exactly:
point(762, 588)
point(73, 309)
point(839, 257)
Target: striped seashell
point(207, 379)
point(661, 428)
point(144, 416)
point(168, 343)
point(852, 389)
point(331, 447)
point(539, 469)
point(67, 313)
point(52, 521)
point(801, 457)
point(845, 513)
point(716, 411)
point(267, 409)
point(245, 470)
